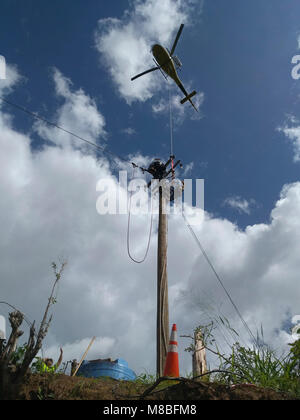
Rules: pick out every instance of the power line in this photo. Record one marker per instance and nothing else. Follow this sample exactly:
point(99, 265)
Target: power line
point(30, 324)
point(101, 148)
point(171, 123)
point(34, 115)
point(219, 278)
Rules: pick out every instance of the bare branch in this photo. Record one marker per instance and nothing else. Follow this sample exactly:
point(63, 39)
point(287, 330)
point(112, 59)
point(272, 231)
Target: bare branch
point(15, 320)
point(10, 380)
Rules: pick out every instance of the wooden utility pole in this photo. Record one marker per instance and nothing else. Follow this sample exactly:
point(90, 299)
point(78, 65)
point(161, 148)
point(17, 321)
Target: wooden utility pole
point(199, 356)
point(162, 288)
point(160, 171)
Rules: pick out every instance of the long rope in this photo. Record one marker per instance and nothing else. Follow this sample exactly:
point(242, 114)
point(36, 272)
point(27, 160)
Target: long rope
point(128, 230)
point(219, 278)
point(171, 123)
point(162, 297)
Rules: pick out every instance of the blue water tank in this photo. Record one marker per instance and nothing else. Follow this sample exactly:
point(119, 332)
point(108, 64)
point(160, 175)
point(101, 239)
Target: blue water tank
point(117, 369)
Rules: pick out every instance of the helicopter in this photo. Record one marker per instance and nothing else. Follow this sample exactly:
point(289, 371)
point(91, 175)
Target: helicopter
point(168, 63)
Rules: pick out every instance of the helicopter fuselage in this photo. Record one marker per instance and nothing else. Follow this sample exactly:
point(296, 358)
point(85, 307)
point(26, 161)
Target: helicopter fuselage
point(167, 63)
point(164, 60)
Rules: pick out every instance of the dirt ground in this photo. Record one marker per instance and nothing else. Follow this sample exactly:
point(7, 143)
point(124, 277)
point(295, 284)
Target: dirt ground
point(62, 387)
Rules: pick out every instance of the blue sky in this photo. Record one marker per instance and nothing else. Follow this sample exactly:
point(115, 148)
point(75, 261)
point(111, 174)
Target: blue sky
point(237, 54)
point(71, 61)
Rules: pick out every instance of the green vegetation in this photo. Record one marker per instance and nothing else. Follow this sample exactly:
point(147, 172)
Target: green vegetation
point(17, 358)
point(15, 361)
point(145, 379)
point(258, 365)
point(261, 366)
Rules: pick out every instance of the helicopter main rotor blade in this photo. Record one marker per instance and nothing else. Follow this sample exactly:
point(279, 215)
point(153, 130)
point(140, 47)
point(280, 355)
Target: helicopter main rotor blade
point(145, 72)
point(176, 39)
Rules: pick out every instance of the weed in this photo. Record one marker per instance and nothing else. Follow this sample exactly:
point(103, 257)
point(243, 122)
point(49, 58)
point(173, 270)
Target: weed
point(258, 365)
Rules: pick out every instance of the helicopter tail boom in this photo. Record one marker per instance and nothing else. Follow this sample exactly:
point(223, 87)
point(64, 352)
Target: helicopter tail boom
point(188, 97)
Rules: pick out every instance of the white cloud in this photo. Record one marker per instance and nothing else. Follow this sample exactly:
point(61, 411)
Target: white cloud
point(179, 112)
point(129, 131)
point(78, 114)
point(258, 267)
point(12, 78)
point(293, 134)
point(188, 168)
point(291, 128)
point(124, 44)
point(48, 210)
point(240, 204)
point(101, 347)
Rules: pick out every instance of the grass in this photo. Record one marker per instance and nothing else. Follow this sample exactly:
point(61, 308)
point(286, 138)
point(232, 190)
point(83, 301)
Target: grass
point(147, 380)
point(259, 365)
point(262, 367)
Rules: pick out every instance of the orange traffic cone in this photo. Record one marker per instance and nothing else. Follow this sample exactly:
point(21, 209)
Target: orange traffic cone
point(172, 363)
